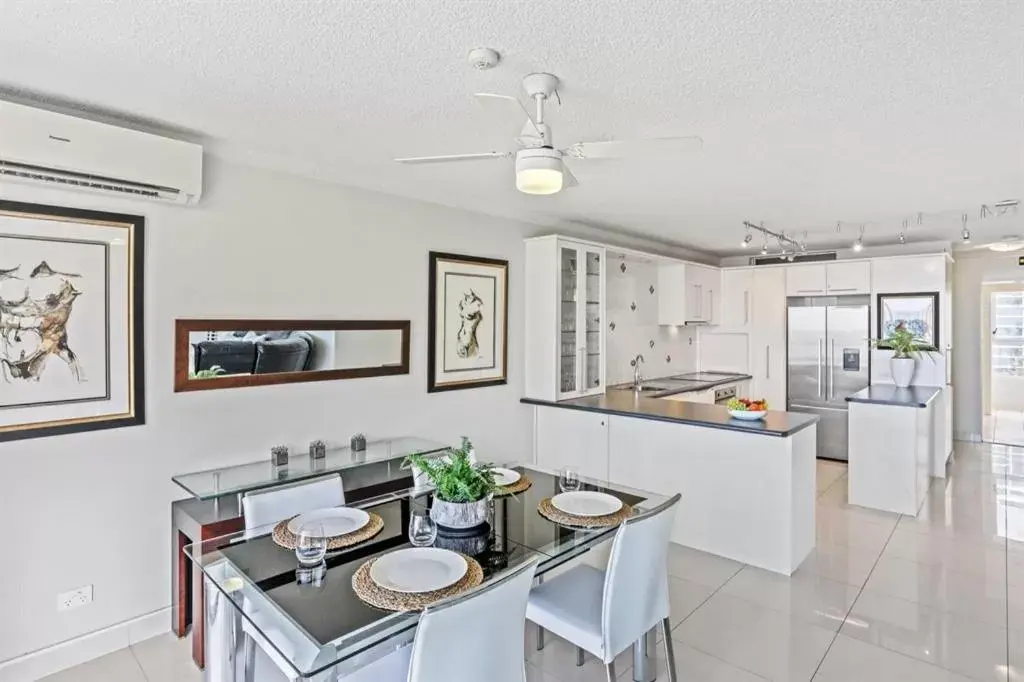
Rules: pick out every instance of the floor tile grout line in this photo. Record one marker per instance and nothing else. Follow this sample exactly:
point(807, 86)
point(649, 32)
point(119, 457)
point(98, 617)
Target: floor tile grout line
point(853, 604)
point(142, 669)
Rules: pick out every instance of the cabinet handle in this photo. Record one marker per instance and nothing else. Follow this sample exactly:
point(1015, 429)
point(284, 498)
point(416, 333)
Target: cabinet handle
point(767, 362)
point(711, 304)
point(746, 307)
point(811, 291)
point(843, 289)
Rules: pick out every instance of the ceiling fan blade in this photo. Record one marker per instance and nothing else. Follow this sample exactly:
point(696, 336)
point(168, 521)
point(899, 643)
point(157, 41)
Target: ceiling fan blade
point(651, 148)
point(568, 179)
point(445, 158)
point(506, 103)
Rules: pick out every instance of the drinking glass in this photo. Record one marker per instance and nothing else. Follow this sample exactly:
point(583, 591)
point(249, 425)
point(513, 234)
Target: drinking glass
point(310, 544)
point(422, 529)
point(568, 480)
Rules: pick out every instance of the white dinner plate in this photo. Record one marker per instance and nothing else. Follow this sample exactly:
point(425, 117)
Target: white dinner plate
point(504, 477)
point(586, 503)
point(418, 569)
point(335, 520)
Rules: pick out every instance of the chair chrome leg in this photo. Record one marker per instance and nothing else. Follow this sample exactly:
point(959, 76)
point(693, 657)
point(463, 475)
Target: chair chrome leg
point(670, 654)
point(579, 656)
point(540, 638)
point(248, 658)
point(610, 671)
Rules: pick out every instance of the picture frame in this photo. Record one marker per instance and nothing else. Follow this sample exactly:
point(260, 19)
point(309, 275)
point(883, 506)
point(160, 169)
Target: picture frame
point(71, 320)
point(920, 311)
point(467, 322)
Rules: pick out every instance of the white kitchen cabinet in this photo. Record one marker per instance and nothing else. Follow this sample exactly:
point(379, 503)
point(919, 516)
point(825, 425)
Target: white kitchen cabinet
point(829, 279)
point(768, 336)
point(843, 279)
point(806, 280)
point(734, 310)
point(688, 294)
point(572, 438)
point(565, 309)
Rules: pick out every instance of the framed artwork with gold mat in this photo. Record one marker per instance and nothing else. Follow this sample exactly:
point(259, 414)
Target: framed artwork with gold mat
point(71, 322)
point(467, 317)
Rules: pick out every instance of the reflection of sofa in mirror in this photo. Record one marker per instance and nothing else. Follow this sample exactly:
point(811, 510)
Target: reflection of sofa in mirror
point(256, 352)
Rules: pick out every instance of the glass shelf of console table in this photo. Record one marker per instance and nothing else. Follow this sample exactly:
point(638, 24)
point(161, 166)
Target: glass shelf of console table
point(243, 478)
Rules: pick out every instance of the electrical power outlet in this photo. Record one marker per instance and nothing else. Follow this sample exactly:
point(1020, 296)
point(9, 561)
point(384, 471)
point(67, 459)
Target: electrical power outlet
point(74, 598)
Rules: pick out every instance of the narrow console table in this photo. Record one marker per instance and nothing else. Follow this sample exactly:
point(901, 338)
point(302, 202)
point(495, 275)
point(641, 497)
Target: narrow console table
point(215, 508)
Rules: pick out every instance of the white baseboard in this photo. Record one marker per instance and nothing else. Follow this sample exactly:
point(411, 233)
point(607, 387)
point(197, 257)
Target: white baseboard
point(43, 662)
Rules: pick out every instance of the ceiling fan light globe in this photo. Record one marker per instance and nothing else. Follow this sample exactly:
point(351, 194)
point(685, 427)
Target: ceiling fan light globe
point(539, 171)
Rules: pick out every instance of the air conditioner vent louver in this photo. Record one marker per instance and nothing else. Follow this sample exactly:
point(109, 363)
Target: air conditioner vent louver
point(46, 148)
point(797, 258)
point(86, 181)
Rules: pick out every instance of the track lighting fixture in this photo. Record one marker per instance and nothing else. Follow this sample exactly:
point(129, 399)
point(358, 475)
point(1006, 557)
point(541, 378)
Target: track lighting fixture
point(859, 244)
point(965, 234)
point(902, 237)
point(747, 240)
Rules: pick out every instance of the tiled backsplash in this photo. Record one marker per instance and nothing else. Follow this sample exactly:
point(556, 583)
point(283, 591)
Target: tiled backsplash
point(633, 328)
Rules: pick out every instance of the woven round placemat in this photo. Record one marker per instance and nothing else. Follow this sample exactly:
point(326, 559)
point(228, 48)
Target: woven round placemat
point(389, 600)
point(548, 511)
point(522, 485)
point(287, 539)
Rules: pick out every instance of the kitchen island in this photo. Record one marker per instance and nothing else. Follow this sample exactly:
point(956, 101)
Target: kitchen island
point(748, 487)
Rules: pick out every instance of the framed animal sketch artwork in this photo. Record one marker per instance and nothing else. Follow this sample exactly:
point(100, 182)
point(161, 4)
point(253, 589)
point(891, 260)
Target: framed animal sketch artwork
point(71, 324)
point(467, 343)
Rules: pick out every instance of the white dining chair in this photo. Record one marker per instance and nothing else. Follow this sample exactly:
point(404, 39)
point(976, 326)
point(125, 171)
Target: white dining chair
point(262, 508)
point(605, 612)
point(474, 637)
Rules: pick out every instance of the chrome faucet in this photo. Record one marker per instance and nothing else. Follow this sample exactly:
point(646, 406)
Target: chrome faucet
point(637, 379)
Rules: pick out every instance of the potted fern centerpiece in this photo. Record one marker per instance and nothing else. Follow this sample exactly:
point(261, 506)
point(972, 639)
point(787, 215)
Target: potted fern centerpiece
point(906, 349)
point(462, 489)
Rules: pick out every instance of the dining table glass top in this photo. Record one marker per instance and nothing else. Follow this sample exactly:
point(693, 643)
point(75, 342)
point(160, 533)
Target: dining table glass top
point(314, 621)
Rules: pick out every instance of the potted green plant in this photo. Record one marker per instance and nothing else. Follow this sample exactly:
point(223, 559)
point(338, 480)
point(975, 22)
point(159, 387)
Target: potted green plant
point(213, 372)
point(906, 349)
point(462, 489)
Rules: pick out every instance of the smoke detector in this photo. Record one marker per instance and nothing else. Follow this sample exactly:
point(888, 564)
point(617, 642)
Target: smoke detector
point(483, 58)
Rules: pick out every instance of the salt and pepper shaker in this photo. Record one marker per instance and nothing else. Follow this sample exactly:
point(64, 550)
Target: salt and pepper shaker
point(317, 455)
point(358, 443)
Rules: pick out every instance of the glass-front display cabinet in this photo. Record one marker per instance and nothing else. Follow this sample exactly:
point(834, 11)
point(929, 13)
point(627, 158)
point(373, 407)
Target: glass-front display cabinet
point(577, 270)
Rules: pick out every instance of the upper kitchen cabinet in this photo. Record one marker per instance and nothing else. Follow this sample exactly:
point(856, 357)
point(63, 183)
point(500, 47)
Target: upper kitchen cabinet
point(688, 294)
point(734, 309)
point(565, 305)
point(805, 280)
point(829, 279)
point(853, 277)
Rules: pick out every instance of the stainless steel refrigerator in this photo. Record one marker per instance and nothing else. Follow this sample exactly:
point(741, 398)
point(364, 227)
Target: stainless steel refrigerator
point(829, 359)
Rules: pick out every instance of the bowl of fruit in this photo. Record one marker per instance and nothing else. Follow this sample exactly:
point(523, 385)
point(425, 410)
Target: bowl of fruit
point(747, 409)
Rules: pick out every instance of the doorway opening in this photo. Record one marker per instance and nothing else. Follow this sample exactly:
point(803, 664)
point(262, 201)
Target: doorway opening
point(1003, 363)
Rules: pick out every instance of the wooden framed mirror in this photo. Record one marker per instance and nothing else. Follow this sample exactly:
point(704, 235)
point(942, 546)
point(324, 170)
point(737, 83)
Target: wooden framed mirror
point(229, 353)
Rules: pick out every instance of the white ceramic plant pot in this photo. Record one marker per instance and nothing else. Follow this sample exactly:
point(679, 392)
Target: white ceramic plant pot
point(459, 515)
point(903, 371)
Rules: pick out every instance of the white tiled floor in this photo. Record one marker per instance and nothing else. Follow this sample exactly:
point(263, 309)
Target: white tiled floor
point(883, 598)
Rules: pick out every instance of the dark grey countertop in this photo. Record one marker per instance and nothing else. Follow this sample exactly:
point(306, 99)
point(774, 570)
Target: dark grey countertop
point(889, 394)
point(629, 404)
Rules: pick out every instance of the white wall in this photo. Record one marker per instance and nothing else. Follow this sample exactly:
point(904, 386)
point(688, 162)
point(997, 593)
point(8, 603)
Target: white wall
point(970, 271)
point(95, 508)
point(674, 350)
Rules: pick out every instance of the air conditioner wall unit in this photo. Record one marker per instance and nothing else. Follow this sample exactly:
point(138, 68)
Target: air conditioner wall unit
point(44, 147)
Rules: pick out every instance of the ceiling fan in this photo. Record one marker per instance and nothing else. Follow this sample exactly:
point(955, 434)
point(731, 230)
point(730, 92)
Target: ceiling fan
point(540, 167)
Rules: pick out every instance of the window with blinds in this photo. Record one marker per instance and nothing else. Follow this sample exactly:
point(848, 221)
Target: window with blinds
point(1008, 333)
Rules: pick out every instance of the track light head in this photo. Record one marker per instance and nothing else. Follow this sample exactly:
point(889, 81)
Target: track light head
point(746, 240)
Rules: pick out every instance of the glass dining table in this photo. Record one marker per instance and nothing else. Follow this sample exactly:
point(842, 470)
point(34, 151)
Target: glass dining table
point(310, 622)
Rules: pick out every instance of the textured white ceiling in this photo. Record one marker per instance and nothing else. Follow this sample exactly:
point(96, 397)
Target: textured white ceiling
point(811, 111)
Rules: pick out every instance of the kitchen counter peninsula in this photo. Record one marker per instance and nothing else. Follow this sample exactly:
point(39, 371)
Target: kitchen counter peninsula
point(629, 404)
point(748, 488)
